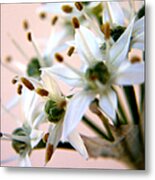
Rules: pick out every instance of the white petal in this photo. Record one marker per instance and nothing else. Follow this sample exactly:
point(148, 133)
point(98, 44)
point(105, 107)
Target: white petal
point(65, 74)
point(138, 27)
point(87, 45)
point(40, 119)
point(129, 74)
point(25, 161)
point(75, 110)
point(55, 134)
point(50, 84)
point(138, 42)
point(13, 102)
point(76, 141)
point(116, 13)
point(108, 103)
point(119, 50)
point(35, 137)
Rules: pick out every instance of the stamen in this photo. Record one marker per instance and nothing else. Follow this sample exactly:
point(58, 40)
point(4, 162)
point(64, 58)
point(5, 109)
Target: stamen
point(79, 6)
point(67, 8)
point(19, 89)
point(14, 81)
point(8, 59)
point(29, 36)
point(49, 152)
point(71, 51)
point(45, 138)
point(135, 59)
point(59, 57)
point(75, 22)
point(10, 68)
point(42, 15)
point(42, 92)
point(105, 28)
point(27, 83)
point(62, 104)
point(54, 20)
point(25, 25)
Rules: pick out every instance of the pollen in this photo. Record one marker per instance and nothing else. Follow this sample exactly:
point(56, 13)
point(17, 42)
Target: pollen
point(105, 28)
point(19, 89)
point(59, 57)
point(67, 8)
point(29, 36)
point(27, 83)
point(75, 22)
point(42, 15)
point(71, 51)
point(8, 59)
point(54, 20)
point(135, 59)
point(42, 92)
point(25, 25)
point(79, 6)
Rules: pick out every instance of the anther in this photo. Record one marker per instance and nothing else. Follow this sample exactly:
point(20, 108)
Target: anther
point(8, 59)
point(67, 8)
point(54, 20)
point(25, 24)
point(75, 22)
point(42, 92)
point(19, 89)
point(42, 15)
point(45, 138)
point(49, 152)
point(59, 57)
point(27, 83)
point(62, 104)
point(135, 59)
point(79, 6)
point(14, 81)
point(71, 51)
point(105, 28)
point(29, 36)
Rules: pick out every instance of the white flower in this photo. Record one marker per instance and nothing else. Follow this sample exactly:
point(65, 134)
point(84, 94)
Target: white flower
point(55, 108)
point(27, 136)
point(100, 71)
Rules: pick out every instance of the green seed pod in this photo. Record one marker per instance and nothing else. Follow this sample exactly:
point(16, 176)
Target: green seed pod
point(33, 68)
point(54, 113)
point(19, 146)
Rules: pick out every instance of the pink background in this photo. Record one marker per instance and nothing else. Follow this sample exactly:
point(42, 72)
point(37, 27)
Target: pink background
point(12, 16)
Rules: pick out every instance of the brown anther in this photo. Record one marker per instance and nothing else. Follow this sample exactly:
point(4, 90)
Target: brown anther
point(42, 15)
point(135, 59)
point(42, 92)
point(67, 8)
point(19, 89)
point(93, 77)
point(49, 152)
point(45, 138)
point(54, 20)
point(27, 83)
point(59, 57)
point(105, 28)
point(71, 51)
point(8, 59)
point(75, 22)
point(14, 81)
point(29, 36)
point(79, 6)
point(25, 24)
point(62, 104)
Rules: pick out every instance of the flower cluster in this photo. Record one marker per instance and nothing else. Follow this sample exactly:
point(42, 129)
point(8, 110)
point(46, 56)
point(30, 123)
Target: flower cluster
point(92, 53)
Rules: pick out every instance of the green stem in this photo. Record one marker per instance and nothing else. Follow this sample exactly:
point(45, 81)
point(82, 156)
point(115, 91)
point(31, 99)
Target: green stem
point(94, 127)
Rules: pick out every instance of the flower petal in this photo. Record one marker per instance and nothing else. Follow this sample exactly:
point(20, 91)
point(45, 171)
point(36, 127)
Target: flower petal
point(75, 110)
point(76, 141)
point(87, 45)
point(108, 103)
point(129, 74)
point(25, 161)
point(35, 136)
point(138, 42)
point(65, 74)
point(119, 50)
